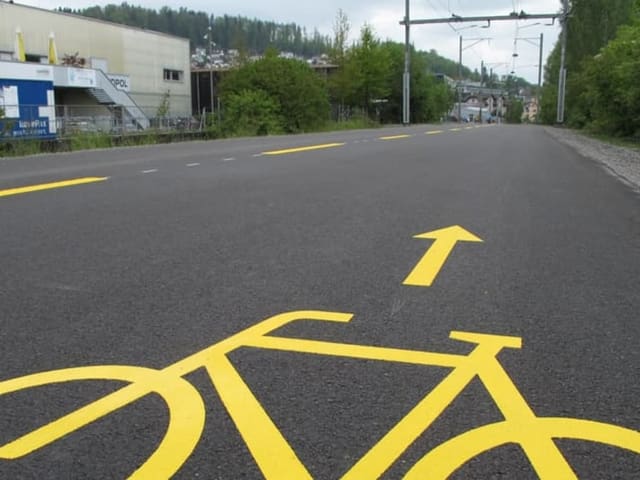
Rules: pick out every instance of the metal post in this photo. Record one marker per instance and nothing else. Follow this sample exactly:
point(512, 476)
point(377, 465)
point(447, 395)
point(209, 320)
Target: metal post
point(406, 78)
point(562, 77)
point(480, 92)
point(211, 86)
point(209, 49)
point(198, 91)
point(539, 79)
point(460, 82)
point(458, 19)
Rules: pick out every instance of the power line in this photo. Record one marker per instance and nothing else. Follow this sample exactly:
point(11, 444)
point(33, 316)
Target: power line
point(453, 19)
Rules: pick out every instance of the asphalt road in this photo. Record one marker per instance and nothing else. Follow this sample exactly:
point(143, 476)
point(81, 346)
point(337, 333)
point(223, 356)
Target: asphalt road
point(182, 246)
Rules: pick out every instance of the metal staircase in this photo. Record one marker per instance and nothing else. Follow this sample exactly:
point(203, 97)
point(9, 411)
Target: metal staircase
point(107, 94)
point(101, 97)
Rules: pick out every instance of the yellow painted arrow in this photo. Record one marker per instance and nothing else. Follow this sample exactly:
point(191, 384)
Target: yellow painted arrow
point(427, 269)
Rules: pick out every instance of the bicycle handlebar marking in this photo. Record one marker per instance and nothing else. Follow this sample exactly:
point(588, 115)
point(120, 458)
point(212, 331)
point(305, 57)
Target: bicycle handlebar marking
point(271, 451)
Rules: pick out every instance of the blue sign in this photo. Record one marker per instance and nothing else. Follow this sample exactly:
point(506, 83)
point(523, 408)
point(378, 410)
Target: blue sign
point(28, 109)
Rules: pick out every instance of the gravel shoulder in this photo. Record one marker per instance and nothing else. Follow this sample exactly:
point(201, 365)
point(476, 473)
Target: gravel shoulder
point(622, 162)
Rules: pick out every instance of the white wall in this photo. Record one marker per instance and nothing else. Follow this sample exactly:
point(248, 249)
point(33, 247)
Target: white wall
point(141, 54)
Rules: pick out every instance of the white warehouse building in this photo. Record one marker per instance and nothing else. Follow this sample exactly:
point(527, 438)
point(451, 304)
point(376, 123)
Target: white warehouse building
point(98, 69)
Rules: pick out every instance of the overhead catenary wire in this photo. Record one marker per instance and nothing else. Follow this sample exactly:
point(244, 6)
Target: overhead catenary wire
point(516, 14)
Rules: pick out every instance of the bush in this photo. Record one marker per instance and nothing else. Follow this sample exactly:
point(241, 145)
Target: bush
point(514, 112)
point(298, 94)
point(252, 112)
point(611, 90)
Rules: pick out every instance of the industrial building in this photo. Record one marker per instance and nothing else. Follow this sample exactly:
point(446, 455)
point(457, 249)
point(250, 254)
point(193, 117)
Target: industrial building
point(61, 71)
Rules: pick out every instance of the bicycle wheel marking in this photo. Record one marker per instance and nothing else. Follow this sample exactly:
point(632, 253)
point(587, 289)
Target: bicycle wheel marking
point(187, 414)
point(270, 449)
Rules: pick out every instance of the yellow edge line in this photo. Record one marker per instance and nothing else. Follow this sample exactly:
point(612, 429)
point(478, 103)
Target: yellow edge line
point(434, 132)
point(395, 137)
point(303, 149)
point(49, 186)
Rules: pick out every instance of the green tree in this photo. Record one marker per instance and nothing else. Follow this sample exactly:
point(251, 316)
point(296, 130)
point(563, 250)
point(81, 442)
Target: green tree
point(369, 67)
point(252, 112)
point(611, 92)
point(299, 93)
point(438, 64)
point(549, 97)
point(341, 82)
point(430, 99)
point(591, 25)
point(514, 111)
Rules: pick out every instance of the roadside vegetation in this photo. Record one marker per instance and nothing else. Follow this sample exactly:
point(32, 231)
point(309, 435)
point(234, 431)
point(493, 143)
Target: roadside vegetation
point(603, 66)
point(275, 95)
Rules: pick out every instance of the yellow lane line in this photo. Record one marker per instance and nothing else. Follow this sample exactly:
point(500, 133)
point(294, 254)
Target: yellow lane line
point(303, 149)
point(49, 186)
point(395, 137)
point(434, 132)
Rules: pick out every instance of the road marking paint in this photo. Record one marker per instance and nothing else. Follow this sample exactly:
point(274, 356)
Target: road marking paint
point(427, 269)
point(256, 155)
point(434, 132)
point(271, 450)
point(395, 137)
point(455, 129)
point(230, 159)
point(469, 128)
point(153, 170)
point(303, 149)
point(50, 186)
point(192, 165)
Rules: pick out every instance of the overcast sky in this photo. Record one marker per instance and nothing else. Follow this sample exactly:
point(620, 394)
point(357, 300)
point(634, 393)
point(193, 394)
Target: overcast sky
point(384, 17)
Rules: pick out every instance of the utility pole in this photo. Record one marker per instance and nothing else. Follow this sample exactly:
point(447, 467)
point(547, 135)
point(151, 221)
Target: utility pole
point(513, 16)
point(537, 42)
point(481, 82)
point(406, 77)
point(460, 83)
point(209, 36)
point(562, 77)
point(476, 41)
point(538, 92)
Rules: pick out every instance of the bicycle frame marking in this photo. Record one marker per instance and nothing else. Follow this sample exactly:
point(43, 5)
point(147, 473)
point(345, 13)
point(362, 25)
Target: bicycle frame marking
point(271, 451)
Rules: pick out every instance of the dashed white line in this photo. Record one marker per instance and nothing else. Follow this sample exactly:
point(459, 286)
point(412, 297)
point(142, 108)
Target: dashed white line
point(256, 155)
point(153, 170)
point(192, 165)
point(230, 159)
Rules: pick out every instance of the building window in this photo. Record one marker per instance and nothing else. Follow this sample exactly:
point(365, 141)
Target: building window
point(173, 75)
point(35, 58)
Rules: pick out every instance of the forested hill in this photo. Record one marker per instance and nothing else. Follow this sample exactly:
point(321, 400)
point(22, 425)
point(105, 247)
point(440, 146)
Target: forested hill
point(236, 32)
point(228, 32)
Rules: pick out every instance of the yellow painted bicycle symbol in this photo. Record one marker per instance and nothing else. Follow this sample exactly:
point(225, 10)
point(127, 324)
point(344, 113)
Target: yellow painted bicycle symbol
point(271, 451)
